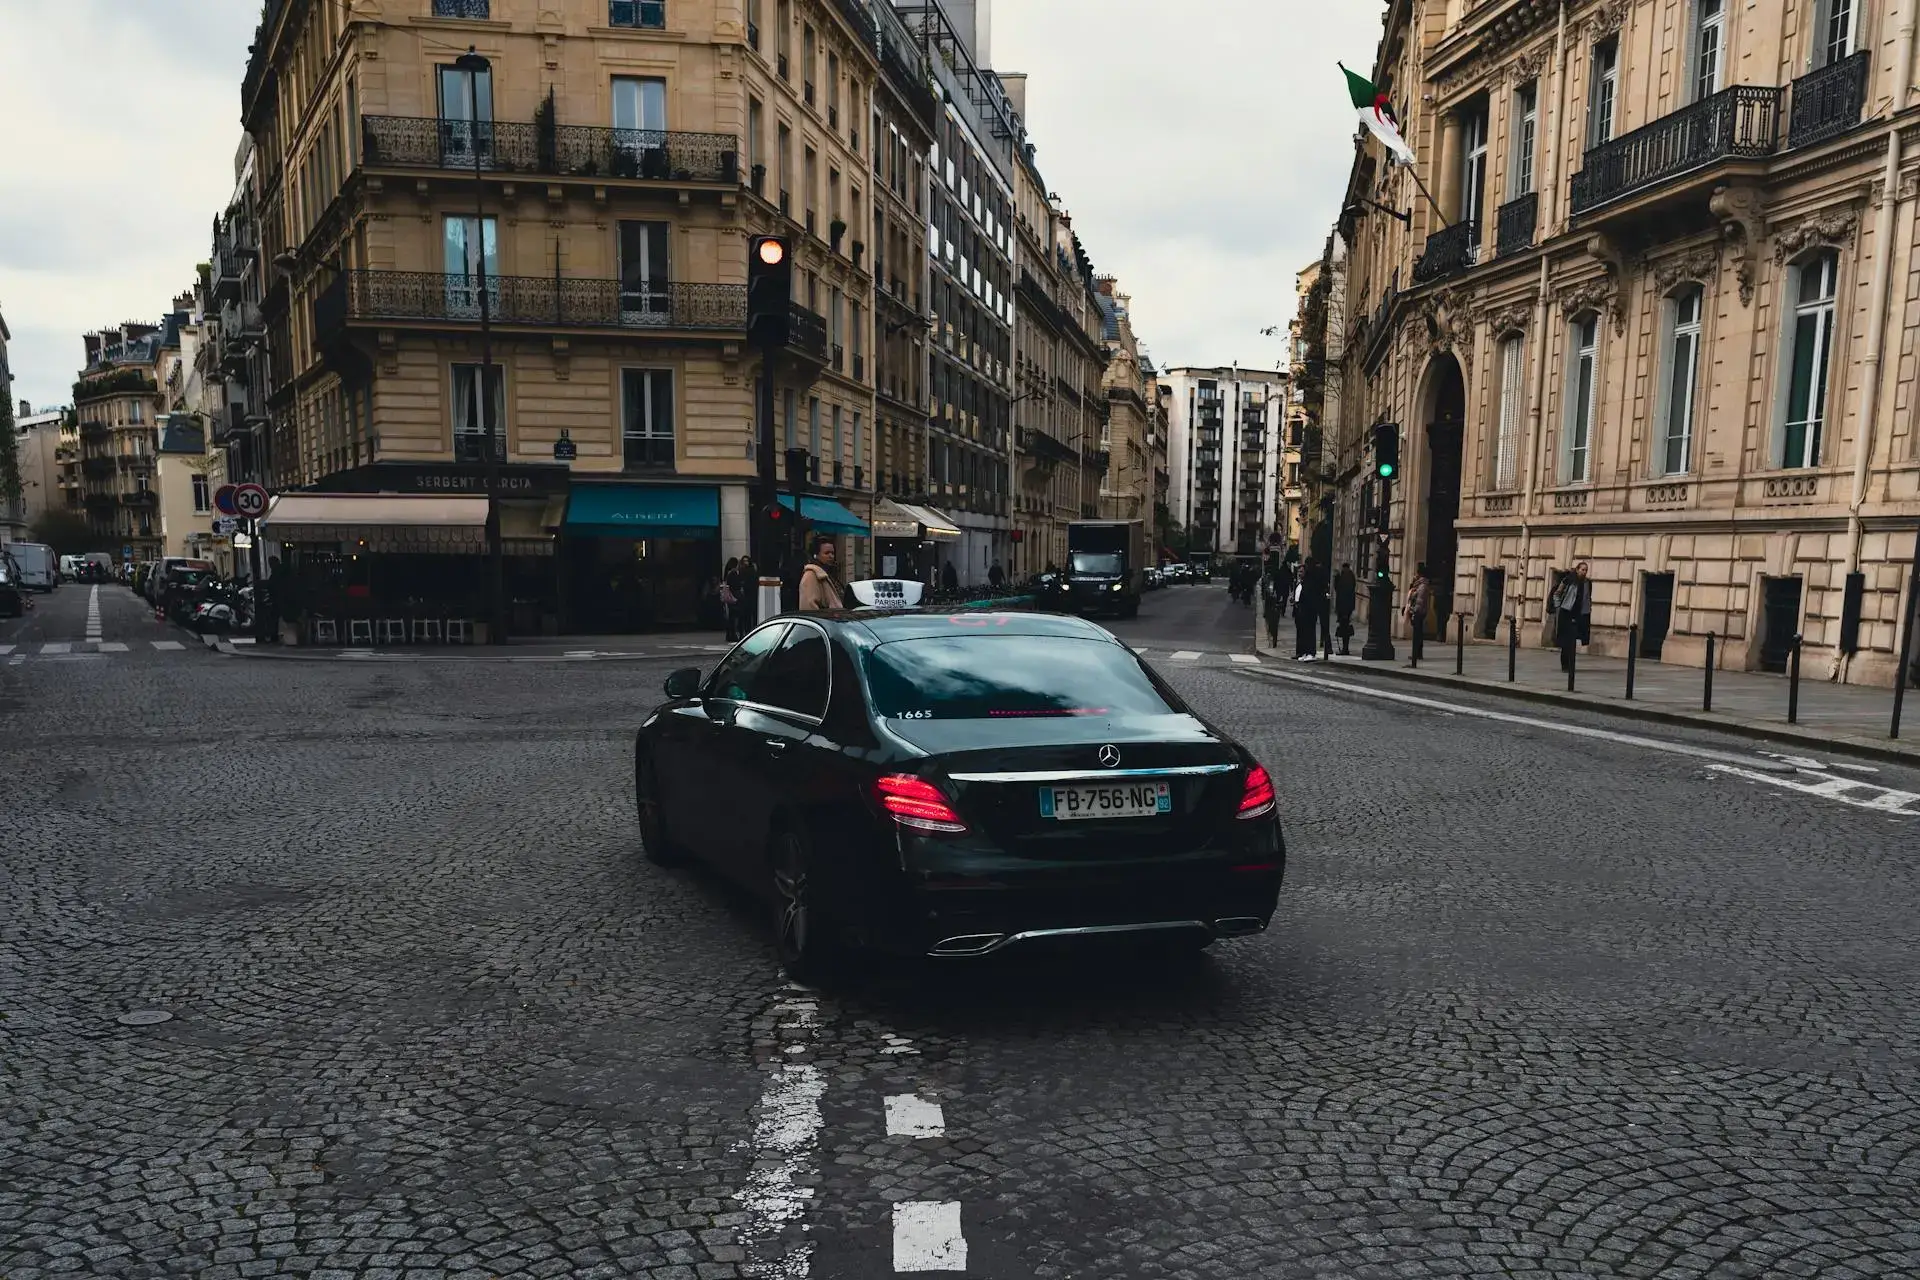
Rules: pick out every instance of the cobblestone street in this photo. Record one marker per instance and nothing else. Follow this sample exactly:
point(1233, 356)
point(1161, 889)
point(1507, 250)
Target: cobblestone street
point(1545, 998)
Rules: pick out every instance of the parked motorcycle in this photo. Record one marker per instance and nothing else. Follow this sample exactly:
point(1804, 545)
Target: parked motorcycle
point(222, 610)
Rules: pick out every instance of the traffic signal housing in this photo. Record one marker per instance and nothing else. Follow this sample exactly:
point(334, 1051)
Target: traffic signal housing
point(769, 289)
point(1386, 450)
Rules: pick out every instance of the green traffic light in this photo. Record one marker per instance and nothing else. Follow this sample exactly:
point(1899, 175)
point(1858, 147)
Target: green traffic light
point(1385, 470)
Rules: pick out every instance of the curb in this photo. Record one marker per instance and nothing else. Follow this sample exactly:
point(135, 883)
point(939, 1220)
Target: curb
point(1788, 734)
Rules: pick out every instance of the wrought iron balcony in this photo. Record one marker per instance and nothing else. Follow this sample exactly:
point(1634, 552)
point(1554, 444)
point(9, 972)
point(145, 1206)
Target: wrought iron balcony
point(637, 13)
point(859, 19)
point(1739, 123)
point(560, 150)
point(1828, 102)
point(527, 301)
point(806, 330)
point(462, 9)
point(1449, 251)
point(1515, 224)
point(479, 446)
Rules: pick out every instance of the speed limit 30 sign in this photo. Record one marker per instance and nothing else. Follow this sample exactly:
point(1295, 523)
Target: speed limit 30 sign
point(250, 500)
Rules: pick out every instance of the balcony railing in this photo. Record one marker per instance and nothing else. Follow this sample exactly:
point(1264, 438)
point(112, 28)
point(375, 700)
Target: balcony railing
point(1449, 251)
point(539, 301)
point(1828, 102)
point(479, 446)
point(637, 13)
point(647, 453)
point(1742, 122)
point(562, 150)
point(859, 19)
point(481, 9)
point(806, 329)
point(1515, 224)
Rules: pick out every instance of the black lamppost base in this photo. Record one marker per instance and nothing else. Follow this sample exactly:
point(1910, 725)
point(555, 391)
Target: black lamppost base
point(1379, 646)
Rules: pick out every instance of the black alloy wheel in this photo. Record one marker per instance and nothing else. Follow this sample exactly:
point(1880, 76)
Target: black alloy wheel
point(653, 823)
point(801, 934)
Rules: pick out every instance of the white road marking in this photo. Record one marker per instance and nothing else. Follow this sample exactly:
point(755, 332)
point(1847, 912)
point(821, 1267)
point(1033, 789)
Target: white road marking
point(897, 1044)
point(167, 644)
point(926, 1236)
point(93, 614)
point(1878, 798)
point(5, 649)
point(1186, 655)
point(1507, 717)
point(112, 646)
point(56, 646)
point(785, 1145)
point(911, 1116)
point(1244, 659)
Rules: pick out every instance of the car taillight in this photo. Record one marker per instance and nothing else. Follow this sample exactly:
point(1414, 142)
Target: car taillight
point(917, 803)
point(1256, 798)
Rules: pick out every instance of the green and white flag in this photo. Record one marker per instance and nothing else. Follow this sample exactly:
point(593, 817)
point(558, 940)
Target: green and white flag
point(1376, 113)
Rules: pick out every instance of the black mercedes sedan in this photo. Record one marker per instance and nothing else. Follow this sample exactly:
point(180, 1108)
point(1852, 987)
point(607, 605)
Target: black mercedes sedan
point(954, 785)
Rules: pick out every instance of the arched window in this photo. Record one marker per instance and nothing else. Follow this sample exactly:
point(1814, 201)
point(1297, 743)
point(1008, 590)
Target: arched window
point(1680, 373)
point(1583, 359)
point(1810, 289)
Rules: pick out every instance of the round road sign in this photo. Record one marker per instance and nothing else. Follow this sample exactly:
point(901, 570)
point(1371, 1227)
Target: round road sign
point(223, 500)
point(250, 500)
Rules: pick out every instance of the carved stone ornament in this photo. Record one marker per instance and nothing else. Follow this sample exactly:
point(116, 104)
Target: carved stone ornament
point(1595, 294)
point(1833, 227)
point(1701, 264)
point(1527, 66)
point(1510, 319)
point(1608, 19)
point(1743, 224)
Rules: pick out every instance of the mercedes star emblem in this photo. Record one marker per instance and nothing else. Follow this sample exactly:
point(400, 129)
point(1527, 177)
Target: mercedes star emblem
point(1109, 756)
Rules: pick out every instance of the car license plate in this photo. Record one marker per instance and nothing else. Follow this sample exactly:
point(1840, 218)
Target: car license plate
point(1107, 800)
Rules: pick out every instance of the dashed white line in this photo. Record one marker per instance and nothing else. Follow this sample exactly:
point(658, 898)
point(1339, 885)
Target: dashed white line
point(167, 644)
point(56, 646)
point(1244, 659)
point(5, 649)
point(1185, 655)
point(911, 1116)
point(926, 1236)
point(112, 646)
point(785, 1144)
point(93, 614)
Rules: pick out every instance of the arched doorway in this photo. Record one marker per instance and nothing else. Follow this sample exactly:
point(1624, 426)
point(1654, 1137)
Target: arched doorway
point(1446, 417)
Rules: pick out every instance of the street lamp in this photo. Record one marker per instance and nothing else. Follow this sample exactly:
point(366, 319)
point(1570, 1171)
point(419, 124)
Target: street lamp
point(475, 65)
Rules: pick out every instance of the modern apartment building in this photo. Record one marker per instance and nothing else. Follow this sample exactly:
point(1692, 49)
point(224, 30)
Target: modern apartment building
point(600, 166)
point(1224, 430)
point(1661, 321)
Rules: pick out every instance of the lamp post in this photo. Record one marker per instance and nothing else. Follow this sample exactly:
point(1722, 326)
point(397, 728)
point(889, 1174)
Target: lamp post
point(475, 65)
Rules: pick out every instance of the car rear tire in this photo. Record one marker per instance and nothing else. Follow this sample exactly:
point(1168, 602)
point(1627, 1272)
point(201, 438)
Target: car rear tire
point(647, 804)
point(802, 935)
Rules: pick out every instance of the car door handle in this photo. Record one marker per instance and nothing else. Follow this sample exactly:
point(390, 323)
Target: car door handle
point(775, 746)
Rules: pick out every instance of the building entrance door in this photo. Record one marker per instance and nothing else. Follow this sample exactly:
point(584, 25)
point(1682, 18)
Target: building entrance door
point(1780, 620)
point(1445, 433)
point(1656, 612)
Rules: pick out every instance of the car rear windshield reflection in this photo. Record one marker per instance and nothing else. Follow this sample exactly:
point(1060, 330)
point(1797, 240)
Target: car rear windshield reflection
point(984, 677)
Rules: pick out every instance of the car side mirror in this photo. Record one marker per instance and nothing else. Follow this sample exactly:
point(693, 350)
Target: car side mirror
point(684, 683)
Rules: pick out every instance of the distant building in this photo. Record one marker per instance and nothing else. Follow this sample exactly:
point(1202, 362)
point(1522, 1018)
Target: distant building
point(13, 510)
point(1223, 438)
point(117, 400)
point(42, 440)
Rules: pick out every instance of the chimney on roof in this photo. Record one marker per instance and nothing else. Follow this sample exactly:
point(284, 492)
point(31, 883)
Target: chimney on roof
point(26, 410)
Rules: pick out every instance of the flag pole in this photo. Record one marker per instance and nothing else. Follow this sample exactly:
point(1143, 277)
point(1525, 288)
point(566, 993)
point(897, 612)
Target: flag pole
point(1415, 175)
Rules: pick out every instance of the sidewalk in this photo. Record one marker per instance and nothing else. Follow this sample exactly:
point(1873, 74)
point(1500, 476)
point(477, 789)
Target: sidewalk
point(1832, 717)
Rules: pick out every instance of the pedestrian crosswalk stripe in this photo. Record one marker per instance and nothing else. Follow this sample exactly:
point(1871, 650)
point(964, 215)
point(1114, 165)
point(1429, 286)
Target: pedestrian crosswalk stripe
point(56, 646)
point(1186, 655)
point(5, 649)
point(168, 644)
point(1244, 659)
point(112, 646)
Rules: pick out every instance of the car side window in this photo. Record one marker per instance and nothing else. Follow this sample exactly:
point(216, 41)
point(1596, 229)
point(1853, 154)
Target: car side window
point(796, 678)
point(733, 678)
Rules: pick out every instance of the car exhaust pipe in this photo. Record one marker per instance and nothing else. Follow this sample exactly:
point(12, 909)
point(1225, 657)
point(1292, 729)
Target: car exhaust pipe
point(967, 944)
point(1237, 926)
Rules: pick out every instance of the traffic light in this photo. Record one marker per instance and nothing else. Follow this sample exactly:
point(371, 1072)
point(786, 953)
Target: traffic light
point(769, 289)
point(1386, 450)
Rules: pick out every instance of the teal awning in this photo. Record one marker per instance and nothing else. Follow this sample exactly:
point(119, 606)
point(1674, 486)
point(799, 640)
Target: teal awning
point(644, 511)
point(827, 516)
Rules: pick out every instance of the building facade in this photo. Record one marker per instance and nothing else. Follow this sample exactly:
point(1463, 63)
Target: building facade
point(601, 169)
point(116, 401)
point(43, 443)
point(1126, 489)
point(1224, 432)
point(1661, 321)
point(13, 506)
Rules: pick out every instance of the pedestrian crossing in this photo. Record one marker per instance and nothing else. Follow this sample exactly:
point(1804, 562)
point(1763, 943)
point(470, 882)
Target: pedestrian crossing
point(70, 650)
point(1195, 657)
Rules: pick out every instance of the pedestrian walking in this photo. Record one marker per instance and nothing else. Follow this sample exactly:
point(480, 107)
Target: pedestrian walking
point(1343, 594)
point(730, 591)
point(819, 589)
point(949, 577)
point(1573, 612)
point(1309, 602)
point(1288, 584)
point(1419, 600)
point(1270, 592)
point(996, 576)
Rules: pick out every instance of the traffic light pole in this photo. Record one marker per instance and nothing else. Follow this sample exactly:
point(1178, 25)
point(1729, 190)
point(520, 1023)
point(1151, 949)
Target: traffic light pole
point(767, 590)
point(1379, 646)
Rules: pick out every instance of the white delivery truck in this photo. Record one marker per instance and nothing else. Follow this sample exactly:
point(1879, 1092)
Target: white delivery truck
point(37, 565)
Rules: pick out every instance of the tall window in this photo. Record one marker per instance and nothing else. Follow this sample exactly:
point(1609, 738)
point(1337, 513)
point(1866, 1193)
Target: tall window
point(810, 182)
point(466, 109)
point(783, 35)
point(786, 169)
point(1473, 162)
point(806, 62)
point(1682, 376)
point(639, 122)
point(1709, 40)
point(644, 294)
point(474, 419)
point(202, 500)
point(753, 23)
point(1582, 376)
point(470, 245)
point(833, 91)
point(835, 446)
point(1506, 438)
point(756, 153)
point(1810, 342)
point(646, 417)
point(813, 427)
point(1525, 133)
point(1603, 87)
point(791, 417)
point(1833, 32)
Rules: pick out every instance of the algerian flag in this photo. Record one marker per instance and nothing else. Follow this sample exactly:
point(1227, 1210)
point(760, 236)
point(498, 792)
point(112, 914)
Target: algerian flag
point(1377, 114)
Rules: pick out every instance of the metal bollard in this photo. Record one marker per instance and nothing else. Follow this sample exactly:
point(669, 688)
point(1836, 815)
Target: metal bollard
point(1513, 645)
point(1793, 683)
point(1460, 644)
point(1573, 660)
point(1633, 652)
point(1706, 703)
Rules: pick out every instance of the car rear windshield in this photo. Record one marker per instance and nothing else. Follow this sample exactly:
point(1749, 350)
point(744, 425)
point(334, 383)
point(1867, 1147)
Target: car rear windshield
point(982, 677)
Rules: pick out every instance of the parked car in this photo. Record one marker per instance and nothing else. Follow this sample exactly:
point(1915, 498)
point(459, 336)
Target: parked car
point(12, 602)
point(35, 566)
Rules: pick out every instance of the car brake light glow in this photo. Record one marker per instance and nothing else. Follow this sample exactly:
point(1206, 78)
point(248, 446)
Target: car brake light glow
point(917, 803)
point(1256, 799)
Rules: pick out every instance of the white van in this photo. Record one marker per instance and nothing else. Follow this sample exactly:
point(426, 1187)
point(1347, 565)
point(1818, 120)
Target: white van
point(69, 568)
point(36, 564)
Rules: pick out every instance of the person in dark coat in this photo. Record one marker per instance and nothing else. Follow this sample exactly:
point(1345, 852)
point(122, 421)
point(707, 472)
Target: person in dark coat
point(1344, 585)
point(1287, 583)
point(1309, 602)
point(1573, 612)
point(996, 576)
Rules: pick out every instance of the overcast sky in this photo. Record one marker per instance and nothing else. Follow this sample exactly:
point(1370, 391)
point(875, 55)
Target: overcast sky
point(1201, 147)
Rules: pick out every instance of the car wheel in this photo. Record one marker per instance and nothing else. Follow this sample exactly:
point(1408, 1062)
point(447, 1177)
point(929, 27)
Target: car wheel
point(653, 824)
point(802, 935)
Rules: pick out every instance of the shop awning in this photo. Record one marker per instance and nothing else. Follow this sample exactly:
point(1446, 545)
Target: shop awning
point(526, 528)
point(940, 526)
point(383, 522)
point(827, 516)
point(891, 520)
point(644, 511)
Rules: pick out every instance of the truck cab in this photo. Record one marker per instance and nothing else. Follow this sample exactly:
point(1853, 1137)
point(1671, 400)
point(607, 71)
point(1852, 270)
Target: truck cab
point(1106, 567)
